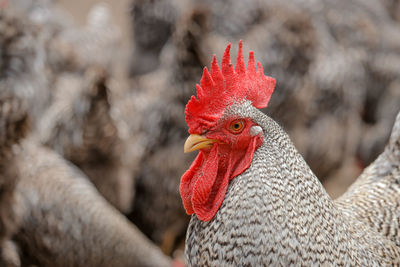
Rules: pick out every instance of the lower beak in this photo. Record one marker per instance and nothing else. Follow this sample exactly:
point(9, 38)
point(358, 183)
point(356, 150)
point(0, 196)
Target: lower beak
point(196, 141)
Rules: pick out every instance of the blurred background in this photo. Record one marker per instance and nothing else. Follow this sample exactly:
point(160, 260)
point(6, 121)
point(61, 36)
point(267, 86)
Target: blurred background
point(104, 84)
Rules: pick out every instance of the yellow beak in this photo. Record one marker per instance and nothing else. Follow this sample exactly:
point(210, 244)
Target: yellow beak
point(196, 141)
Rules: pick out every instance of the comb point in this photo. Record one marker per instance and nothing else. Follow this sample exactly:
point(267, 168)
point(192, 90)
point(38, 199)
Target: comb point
point(206, 81)
point(227, 67)
point(251, 67)
point(260, 69)
point(240, 66)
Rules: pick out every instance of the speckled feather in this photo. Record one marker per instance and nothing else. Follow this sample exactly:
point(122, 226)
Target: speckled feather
point(277, 213)
point(374, 199)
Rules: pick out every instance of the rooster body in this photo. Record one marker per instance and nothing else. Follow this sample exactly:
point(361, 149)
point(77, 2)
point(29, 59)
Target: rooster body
point(278, 213)
point(275, 212)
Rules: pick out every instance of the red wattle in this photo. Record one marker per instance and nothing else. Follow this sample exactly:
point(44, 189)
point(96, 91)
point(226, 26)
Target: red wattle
point(187, 183)
point(211, 185)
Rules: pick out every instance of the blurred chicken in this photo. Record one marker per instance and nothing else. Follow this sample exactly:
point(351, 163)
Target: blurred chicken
point(65, 222)
point(79, 123)
point(21, 82)
point(153, 22)
point(55, 216)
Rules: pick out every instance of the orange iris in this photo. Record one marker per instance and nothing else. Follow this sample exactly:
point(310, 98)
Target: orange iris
point(236, 126)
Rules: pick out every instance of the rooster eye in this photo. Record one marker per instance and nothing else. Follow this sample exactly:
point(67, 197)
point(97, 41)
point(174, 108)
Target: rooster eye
point(236, 126)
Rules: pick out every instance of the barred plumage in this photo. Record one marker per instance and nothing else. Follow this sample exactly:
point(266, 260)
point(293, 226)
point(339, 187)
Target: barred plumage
point(277, 212)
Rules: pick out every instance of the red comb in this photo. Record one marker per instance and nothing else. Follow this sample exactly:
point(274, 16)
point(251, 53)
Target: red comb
point(221, 88)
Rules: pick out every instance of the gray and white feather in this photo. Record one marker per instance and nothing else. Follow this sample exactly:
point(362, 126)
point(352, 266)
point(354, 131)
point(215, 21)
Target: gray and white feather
point(277, 212)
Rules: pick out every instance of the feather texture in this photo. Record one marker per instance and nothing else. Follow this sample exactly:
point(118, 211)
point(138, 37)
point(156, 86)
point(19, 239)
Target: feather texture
point(277, 213)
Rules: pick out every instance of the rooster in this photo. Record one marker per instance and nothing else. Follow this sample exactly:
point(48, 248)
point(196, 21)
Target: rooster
point(254, 199)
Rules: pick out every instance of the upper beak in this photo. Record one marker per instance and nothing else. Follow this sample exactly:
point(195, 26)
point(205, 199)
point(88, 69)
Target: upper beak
point(196, 141)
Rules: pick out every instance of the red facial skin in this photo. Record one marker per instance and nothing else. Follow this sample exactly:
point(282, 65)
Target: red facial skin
point(204, 185)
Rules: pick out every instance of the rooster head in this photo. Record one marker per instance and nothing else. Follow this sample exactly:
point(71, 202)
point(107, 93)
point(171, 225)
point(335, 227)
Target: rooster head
point(227, 141)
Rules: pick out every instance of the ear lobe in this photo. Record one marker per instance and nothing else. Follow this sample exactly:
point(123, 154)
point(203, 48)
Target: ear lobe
point(255, 130)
